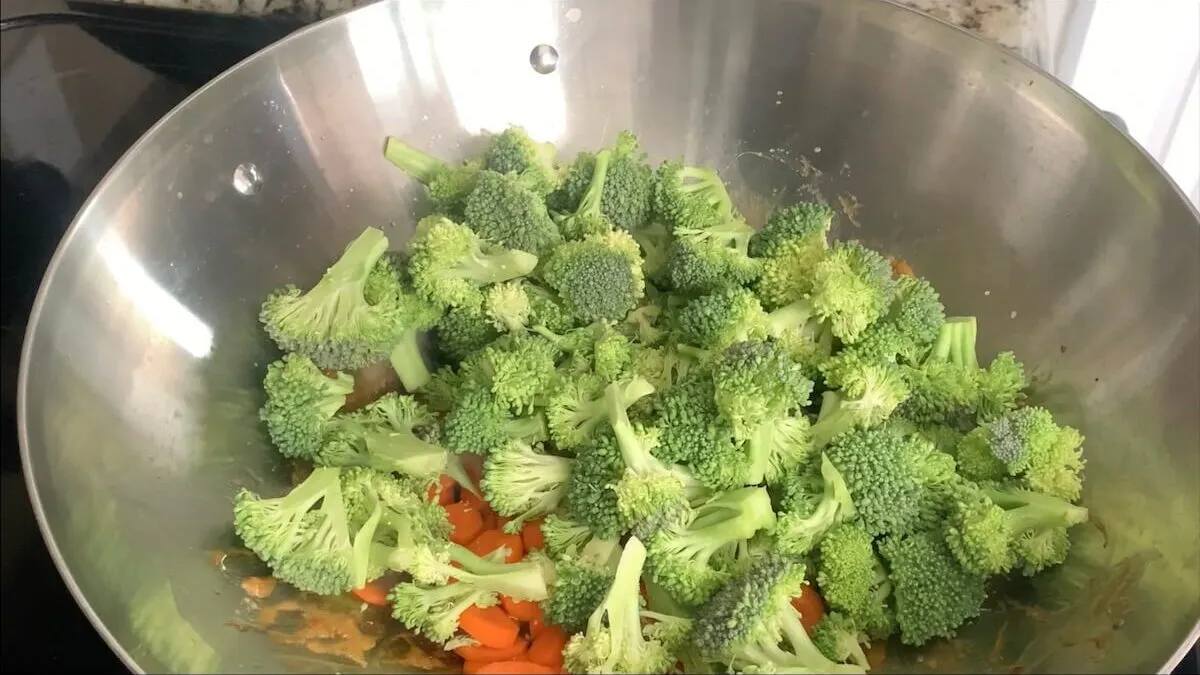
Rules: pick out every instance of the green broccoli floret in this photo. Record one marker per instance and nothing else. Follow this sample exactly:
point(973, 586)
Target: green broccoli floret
point(888, 475)
point(414, 314)
point(450, 264)
point(790, 244)
point(704, 260)
point(314, 549)
point(692, 432)
point(383, 436)
point(614, 640)
point(643, 324)
point(301, 400)
point(590, 496)
point(522, 483)
point(811, 502)
point(508, 306)
point(478, 424)
point(333, 323)
point(760, 390)
point(853, 580)
point(548, 310)
point(687, 562)
point(564, 536)
point(506, 209)
point(409, 525)
point(513, 151)
point(852, 288)
point(867, 396)
point(934, 596)
point(432, 607)
point(1026, 444)
point(717, 320)
point(655, 241)
point(581, 583)
point(751, 625)
point(840, 638)
point(518, 369)
point(448, 186)
point(989, 530)
point(907, 331)
point(577, 406)
point(628, 185)
point(464, 330)
point(588, 218)
point(599, 278)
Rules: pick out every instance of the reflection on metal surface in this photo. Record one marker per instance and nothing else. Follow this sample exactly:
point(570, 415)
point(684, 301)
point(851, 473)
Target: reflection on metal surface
point(544, 59)
point(1066, 241)
point(247, 179)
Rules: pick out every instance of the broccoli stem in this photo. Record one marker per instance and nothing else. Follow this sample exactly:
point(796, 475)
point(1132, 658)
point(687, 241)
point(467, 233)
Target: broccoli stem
point(408, 362)
point(421, 166)
point(956, 342)
point(403, 452)
point(592, 197)
point(340, 292)
point(633, 451)
point(621, 604)
point(1031, 510)
point(496, 266)
point(707, 185)
point(832, 421)
point(791, 316)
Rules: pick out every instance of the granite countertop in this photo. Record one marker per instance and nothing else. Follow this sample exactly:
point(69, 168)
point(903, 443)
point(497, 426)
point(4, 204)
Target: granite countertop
point(1011, 23)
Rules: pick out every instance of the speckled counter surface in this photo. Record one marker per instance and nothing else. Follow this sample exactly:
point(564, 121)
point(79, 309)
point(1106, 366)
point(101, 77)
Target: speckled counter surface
point(1012, 23)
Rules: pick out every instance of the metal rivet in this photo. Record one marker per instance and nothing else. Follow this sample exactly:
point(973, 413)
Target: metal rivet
point(544, 59)
point(247, 179)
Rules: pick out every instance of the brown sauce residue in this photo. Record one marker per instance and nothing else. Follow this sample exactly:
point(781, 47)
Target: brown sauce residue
point(876, 654)
point(259, 588)
point(370, 383)
point(317, 629)
point(900, 267)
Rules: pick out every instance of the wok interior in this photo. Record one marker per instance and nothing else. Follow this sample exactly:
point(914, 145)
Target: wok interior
point(1017, 201)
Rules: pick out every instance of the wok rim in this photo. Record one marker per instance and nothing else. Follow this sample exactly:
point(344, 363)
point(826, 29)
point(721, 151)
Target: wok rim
point(33, 324)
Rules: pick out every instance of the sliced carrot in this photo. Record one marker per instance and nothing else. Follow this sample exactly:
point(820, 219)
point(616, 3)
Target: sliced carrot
point(490, 626)
point(488, 654)
point(531, 535)
point(521, 610)
point(444, 492)
point(465, 521)
point(536, 627)
point(490, 540)
point(515, 668)
point(472, 667)
point(375, 592)
point(547, 648)
point(811, 607)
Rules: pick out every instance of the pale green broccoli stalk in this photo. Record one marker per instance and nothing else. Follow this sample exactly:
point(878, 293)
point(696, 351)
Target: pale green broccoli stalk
point(506, 209)
point(564, 536)
point(839, 638)
point(301, 400)
point(450, 264)
point(313, 549)
point(687, 562)
point(790, 244)
point(508, 306)
point(853, 580)
point(934, 595)
point(333, 323)
point(1028, 445)
point(581, 582)
point(577, 406)
point(448, 186)
point(852, 288)
point(751, 625)
point(522, 483)
point(383, 436)
point(810, 504)
point(647, 486)
point(513, 151)
point(867, 396)
point(478, 424)
point(614, 640)
point(599, 278)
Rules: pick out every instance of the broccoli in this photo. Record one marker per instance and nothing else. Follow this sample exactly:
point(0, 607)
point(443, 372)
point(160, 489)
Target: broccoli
point(513, 151)
point(478, 424)
point(751, 625)
point(414, 314)
point(599, 278)
point(853, 580)
point(687, 562)
point(840, 639)
point(590, 496)
point(907, 331)
point(811, 502)
point(852, 288)
point(628, 184)
point(508, 306)
point(614, 640)
point(506, 209)
point(448, 186)
point(717, 320)
point(450, 264)
point(642, 324)
point(432, 607)
point(464, 330)
point(990, 530)
point(518, 369)
point(577, 406)
point(333, 323)
point(705, 260)
point(692, 432)
point(581, 582)
point(867, 396)
point(1027, 444)
point(383, 436)
point(547, 310)
point(933, 594)
point(301, 401)
point(790, 244)
point(564, 536)
point(522, 483)
point(409, 524)
point(588, 218)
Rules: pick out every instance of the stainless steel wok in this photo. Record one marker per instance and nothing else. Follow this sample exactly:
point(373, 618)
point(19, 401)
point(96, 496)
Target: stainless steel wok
point(139, 383)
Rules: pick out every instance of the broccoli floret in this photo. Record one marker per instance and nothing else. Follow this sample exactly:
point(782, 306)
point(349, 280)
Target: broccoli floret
point(853, 580)
point(547, 310)
point(513, 151)
point(409, 525)
point(506, 209)
point(692, 432)
point(907, 331)
point(478, 424)
point(888, 475)
point(588, 218)
point(687, 562)
point(333, 323)
point(839, 638)
point(414, 314)
point(564, 536)
point(790, 244)
point(751, 625)
point(852, 288)
point(383, 436)
point(934, 596)
point(811, 502)
point(314, 549)
point(628, 185)
point(432, 607)
point(464, 330)
point(590, 496)
point(599, 278)
point(581, 582)
point(642, 324)
point(450, 264)
point(508, 306)
point(614, 640)
point(577, 406)
point(301, 400)
point(717, 320)
point(518, 369)
point(1026, 444)
point(522, 483)
point(867, 396)
point(989, 530)
point(448, 186)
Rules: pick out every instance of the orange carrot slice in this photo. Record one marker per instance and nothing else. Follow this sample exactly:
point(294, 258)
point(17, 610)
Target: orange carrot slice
point(490, 540)
point(465, 521)
point(531, 535)
point(483, 654)
point(547, 648)
point(811, 608)
point(521, 610)
point(515, 668)
point(490, 626)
